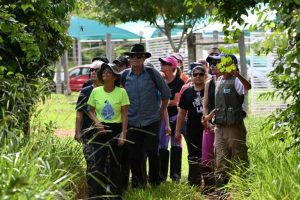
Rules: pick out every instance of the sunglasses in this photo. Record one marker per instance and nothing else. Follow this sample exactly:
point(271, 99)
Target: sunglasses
point(166, 63)
point(198, 74)
point(136, 56)
point(94, 69)
point(214, 54)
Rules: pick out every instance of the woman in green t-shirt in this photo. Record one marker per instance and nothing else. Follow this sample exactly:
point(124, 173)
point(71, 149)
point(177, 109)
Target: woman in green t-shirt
point(108, 110)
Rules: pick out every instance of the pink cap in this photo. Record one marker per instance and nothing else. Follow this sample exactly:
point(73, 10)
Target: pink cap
point(171, 60)
point(178, 56)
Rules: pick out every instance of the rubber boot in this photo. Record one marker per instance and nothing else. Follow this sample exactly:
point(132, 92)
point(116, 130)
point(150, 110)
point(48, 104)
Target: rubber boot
point(175, 165)
point(164, 164)
point(194, 175)
point(209, 179)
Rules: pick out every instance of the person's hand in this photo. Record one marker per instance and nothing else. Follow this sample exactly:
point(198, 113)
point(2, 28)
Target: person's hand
point(178, 136)
point(234, 73)
point(100, 128)
point(78, 136)
point(121, 140)
point(168, 130)
point(204, 121)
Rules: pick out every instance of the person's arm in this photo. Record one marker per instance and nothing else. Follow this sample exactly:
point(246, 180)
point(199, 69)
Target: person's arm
point(205, 105)
point(99, 126)
point(122, 138)
point(245, 83)
point(168, 127)
point(180, 120)
point(78, 125)
point(163, 107)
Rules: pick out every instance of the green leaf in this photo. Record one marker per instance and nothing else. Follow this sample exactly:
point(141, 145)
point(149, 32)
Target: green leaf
point(26, 6)
point(297, 2)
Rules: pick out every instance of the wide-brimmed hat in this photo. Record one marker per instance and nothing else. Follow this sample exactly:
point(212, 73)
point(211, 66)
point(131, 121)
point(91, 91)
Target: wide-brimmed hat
point(113, 68)
point(138, 49)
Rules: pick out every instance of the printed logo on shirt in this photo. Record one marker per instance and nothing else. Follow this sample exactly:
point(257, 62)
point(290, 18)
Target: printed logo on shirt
point(198, 103)
point(108, 111)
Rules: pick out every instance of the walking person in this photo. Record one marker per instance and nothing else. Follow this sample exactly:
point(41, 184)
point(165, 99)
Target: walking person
point(85, 133)
point(108, 110)
point(190, 103)
point(230, 131)
point(169, 67)
point(149, 96)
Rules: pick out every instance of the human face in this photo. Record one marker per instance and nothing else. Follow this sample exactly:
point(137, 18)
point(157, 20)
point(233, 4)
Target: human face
point(93, 73)
point(214, 52)
point(121, 67)
point(136, 60)
point(198, 76)
point(166, 68)
point(108, 75)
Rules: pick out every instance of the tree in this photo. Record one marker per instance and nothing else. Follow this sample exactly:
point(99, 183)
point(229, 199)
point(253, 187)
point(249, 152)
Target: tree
point(172, 13)
point(32, 37)
point(285, 42)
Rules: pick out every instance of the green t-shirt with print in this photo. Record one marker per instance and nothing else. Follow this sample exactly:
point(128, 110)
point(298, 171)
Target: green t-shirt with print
point(108, 105)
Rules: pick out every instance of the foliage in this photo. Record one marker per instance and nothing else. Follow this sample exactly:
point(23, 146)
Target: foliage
point(283, 40)
point(32, 37)
point(273, 172)
point(172, 13)
point(226, 65)
point(44, 167)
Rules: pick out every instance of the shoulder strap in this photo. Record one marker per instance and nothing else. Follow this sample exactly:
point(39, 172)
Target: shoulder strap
point(150, 71)
point(124, 77)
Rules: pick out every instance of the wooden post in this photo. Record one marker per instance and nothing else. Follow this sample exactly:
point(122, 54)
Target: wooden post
point(66, 74)
point(79, 57)
point(58, 78)
point(108, 47)
point(243, 64)
point(191, 47)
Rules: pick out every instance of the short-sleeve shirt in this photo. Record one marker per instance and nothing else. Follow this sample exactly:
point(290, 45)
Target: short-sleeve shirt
point(108, 105)
point(175, 87)
point(192, 101)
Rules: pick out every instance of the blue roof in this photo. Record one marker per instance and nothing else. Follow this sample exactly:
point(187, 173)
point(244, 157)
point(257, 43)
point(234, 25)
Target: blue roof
point(86, 29)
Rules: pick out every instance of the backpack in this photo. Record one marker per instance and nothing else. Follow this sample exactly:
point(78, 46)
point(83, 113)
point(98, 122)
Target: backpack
point(149, 70)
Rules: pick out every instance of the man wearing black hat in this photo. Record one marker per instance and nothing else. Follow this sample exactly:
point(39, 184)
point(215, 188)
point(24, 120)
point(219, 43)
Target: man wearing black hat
point(149, 96)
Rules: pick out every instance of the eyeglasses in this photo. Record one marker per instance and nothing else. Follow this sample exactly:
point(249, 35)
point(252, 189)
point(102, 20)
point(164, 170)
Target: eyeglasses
point(198, 74)
point(94, 69)
point(214, 54)
point(136, 56)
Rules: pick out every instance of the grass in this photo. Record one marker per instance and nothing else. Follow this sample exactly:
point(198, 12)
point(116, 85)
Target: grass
point(40, 168)
point(59, 109)
point(273, 172)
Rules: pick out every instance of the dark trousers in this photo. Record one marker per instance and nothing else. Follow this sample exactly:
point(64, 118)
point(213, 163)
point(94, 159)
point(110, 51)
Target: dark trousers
point(144, 141)
point(96, 150)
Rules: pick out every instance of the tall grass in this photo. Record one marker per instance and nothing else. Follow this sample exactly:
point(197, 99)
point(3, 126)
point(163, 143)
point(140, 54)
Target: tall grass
point(41, 167)
point(274, 171)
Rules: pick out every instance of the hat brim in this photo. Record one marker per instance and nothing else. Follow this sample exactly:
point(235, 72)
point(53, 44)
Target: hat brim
point(115, 72)
point(147, 54)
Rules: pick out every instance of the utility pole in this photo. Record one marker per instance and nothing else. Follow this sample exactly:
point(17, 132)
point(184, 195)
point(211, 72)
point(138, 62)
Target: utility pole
point(243, 64)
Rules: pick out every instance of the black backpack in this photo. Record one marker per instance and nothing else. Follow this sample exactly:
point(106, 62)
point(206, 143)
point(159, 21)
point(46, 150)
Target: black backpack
point(149, 70)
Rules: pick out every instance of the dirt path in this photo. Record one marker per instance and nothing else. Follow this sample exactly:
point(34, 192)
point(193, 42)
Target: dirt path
point(64, 133)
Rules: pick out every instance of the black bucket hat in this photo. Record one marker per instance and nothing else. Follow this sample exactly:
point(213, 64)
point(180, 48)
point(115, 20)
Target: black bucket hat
point(138, 49)
point(113, 68)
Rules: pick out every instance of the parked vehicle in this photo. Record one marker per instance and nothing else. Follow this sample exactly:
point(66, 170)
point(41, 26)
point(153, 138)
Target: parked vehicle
point(77, 77)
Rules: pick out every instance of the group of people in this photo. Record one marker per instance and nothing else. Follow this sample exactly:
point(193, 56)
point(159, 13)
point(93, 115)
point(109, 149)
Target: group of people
point(129, 112)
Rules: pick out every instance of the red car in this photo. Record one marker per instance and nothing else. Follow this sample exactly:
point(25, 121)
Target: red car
point(78, 76)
